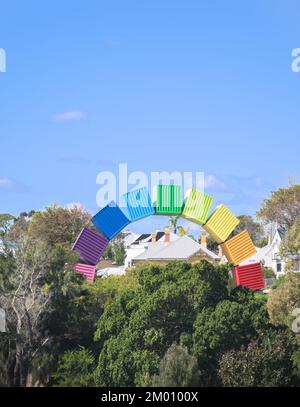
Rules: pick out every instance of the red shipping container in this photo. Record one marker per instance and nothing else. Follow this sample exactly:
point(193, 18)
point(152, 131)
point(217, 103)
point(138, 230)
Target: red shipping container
point(250, 276)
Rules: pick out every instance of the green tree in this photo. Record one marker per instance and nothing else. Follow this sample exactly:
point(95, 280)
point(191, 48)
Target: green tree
point(290, 247)
point(19, 228)
point(65, 309)
point(269, 272)
point(178, 229)
point(173, 223)
point(182, 231)
point(6, 221)
point(118, 250)
point(7, 269)
point(75, 369)
point(284, 299)
point(24, 298)
point(58, 226)
point(283, 206)
point(260, 364)
point(177, 369)
point(138, 327)
point(230, 325)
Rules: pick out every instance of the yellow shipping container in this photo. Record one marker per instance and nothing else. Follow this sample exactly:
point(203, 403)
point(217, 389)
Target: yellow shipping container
point(221, 224)
point(239, 248)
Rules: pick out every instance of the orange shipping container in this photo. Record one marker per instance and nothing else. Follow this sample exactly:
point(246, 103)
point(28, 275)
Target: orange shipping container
point(239, 248)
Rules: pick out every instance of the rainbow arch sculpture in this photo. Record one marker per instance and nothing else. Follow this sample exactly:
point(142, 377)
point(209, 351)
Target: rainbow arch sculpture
point(195, 207)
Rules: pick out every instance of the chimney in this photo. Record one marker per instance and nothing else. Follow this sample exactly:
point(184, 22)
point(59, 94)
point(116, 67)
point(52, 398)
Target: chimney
point(167, 236)
point(220, 253)
point(203, 239)
point(153, 237)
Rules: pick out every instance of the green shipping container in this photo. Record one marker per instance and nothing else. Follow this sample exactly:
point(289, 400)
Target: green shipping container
point(197, 206)
point(168, 200)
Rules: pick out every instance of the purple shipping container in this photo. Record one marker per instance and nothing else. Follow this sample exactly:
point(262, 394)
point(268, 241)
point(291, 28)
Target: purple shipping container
point(90, 245)
point(86, 270)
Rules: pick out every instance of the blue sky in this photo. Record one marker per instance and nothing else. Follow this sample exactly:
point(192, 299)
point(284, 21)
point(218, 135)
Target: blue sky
point(160, 85)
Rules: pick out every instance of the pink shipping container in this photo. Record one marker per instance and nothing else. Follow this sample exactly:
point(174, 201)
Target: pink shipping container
point(86, 270)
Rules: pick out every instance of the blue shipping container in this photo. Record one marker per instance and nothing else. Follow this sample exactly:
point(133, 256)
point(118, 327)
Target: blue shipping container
point(137, 204)
point(110, 220)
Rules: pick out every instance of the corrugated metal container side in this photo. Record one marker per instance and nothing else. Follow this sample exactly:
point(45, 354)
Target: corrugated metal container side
point(110, 220)
point(90, 245)
point(221, 224)
point(86, 270)
point(196, 207)
point(168, 200)
point(239, 248)
point(137, 204)
point(250, 276)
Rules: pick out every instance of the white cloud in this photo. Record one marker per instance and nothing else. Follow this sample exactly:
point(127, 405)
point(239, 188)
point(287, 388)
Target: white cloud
point(212, 182)
point(74, 205)
point(6, 183)
point(69, 116)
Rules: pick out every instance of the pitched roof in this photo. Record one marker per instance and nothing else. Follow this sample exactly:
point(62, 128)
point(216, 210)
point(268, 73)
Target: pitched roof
point(147, 237)
point(281, 232)
point(180, 249)
point(143, 236)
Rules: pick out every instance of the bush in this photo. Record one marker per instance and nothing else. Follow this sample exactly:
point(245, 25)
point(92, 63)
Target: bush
point(260, 364)
point(75, 369)
point(177, 369)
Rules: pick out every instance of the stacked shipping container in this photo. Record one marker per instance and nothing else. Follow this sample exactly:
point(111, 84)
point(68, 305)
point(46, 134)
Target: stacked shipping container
point(197, 206)
point(239, 248)
point(221, 224)
point(86, 270)
point(90, 245)
point(137, 204)
point(168, 201)
point(110, 220)
point(250, 276)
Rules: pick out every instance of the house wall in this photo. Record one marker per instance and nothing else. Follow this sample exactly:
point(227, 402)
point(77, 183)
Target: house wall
point(277, 264)
point(132, 252)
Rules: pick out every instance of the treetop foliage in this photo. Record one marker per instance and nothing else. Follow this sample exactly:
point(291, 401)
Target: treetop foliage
point(179, 324)
point(283, 206)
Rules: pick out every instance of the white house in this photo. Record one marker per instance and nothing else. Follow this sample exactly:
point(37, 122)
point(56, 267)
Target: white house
point(136, 244)
point(269, 255)
point(10, 245)
point(183, 248)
